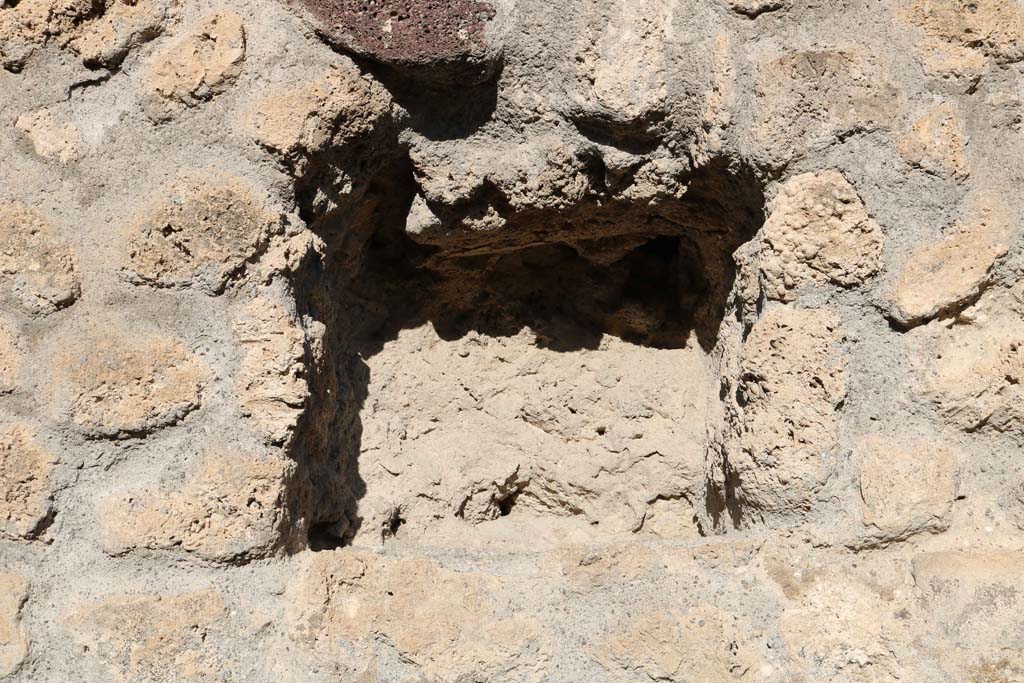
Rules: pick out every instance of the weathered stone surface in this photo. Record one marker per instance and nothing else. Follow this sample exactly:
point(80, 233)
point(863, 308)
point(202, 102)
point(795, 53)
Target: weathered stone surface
point(271, 383)
point(818, 232)
point(14, 641)
point(340, 109)
point(122, 26)
point(623, 71)
point(975, 597)
point(234, 508)
point(102, 32)
point(10, 359)
point(200, 231)
point(993, 27)
point(905, 490)
point(753, 8)
point(956, 268)
point(50, 138)
point(436, 39)
point(675, 646)
point(844, 622)
point(120, 385)
point(450, 624)
point(935, 143)
point(971, 372)
point(24, 25)
point(611, 445)
point(37, 269)
point(150, 637)
point(198, 66)
point(812, 97)
point(25, 494)
point(791, 383)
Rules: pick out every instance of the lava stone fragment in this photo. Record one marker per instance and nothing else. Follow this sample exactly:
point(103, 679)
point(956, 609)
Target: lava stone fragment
point(444, 41)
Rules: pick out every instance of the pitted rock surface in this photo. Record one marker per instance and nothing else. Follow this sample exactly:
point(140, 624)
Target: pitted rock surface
point(428, 36)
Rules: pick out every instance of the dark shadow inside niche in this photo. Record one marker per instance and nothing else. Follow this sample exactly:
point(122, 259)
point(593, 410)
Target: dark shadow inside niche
point(437, 110)
point(658, 277)
point(721, 503)
point(649, 297)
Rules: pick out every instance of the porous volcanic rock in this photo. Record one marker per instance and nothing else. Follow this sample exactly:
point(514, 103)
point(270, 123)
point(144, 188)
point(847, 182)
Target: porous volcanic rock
point(449, 41)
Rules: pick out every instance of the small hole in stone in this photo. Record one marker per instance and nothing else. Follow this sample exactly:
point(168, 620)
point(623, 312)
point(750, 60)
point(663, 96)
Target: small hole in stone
point(394, 523)
point(507, 503)
point(326, 536)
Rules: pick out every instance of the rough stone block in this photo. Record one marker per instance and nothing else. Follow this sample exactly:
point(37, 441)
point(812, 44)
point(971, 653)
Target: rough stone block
point(25, 495)
point(198, 66)
point(14, 641)
point(941, 277)
point(201, 230)
point(818, 232)
point(37, 268)
point(233, 509)
point(791, 384)
point(906, 490)
point(118, 385)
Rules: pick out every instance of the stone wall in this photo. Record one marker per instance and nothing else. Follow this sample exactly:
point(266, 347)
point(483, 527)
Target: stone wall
point(507, 340)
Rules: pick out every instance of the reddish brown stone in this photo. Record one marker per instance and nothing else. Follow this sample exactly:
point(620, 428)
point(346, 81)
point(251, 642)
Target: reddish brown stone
point(437, 39)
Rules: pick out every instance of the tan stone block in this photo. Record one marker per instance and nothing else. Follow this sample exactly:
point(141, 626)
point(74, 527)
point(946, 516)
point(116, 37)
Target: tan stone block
point(198, 66)
point(37, 269)
point(975, 597)
point(108, 36)
point(14, 641)
point(271, 384)
point(621, 67)
point(790, 385)
point(703, 644)
point(50, 137)
point(906, 489)
point(842, 621)
point(101, 31)
point(338, 107)
point(940, 59)
point(200, 230)
point(943, 275)
point(10, 359)
point(115, 384)
point(595, 443)
point(151, 637)
point(807, 97)
point(445, 621)
point(233, 508)
point(25, 470)
point(818, 232)
point(31, 23)
point(992, 27)
point(935, 143)
point(973, 372)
